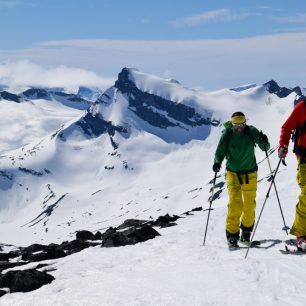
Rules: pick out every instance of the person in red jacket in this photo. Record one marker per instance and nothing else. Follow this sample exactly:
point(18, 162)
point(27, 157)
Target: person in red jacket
point(296, 125)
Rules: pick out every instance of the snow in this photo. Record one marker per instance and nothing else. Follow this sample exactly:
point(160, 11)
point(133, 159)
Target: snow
point(161, 177)
point(22, 123)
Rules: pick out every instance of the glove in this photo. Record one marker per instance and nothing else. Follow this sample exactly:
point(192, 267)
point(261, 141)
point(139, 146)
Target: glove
point(282, 151)
point(216, 167)
point(263, 139)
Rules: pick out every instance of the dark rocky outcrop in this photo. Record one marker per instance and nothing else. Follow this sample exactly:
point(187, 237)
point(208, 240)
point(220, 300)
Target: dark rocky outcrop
point(36, 93)
point(131, 222)
point(2, 292)
point(130, 232)
point(7, 256)
point(97, 236)
point(52, 251)
point(36, 247)
point(115, 238)
point(30, 171)
point(25, 280)
point(95, 125)
point(281, 92)
point(243, 88)
point(165, 221)
point(77, 245)
point(68, 99)
point(84, 235)
point(152, 108)
point(4, 95)
point(8, 265)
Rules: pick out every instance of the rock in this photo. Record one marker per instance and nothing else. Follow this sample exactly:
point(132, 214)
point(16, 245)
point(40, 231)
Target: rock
point(131, 222)
point(52, 251)
point(165, 221)
point(34, 248)
point(97, 236)
point(7, 256)
point(84, 235)
point(77, 245)
point(281, 92)
point(10, 97)
point(133, 235)
point(197, 208)
point(25, 280)
point(151, 108)
point(7, 265)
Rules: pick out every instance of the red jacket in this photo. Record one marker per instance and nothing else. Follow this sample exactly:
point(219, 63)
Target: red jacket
point(296, 118)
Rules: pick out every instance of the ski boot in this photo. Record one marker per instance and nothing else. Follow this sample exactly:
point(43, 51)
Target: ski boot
point(245, 238)
point(232, 243)
point(301, 243)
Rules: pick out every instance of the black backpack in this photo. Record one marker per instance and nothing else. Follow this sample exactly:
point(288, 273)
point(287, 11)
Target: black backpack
point(297, 132)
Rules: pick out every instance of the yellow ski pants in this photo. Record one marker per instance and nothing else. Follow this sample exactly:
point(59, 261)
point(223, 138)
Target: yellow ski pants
point(299, 226)
point(242, 203)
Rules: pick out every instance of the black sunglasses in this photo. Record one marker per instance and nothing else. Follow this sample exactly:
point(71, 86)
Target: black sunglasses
point(239, 125)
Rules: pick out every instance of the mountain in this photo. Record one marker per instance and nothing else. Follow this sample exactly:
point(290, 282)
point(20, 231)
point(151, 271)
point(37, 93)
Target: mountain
point(67, 99)
point(244, 87)
point(154, 112)
point(281, 92)
point(90, 94)
point(142, 150)
point(135, 128)
point(4, 95)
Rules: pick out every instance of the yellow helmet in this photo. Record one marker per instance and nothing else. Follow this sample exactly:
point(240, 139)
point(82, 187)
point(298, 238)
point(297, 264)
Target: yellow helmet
point(238, 118)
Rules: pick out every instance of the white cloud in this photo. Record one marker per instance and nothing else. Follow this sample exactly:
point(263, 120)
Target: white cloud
point(297, 19)
point(209, 64)
point(24, 72)
point(222, 15)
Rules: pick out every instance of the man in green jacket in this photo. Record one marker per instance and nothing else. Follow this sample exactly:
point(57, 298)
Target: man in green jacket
point(237, 145)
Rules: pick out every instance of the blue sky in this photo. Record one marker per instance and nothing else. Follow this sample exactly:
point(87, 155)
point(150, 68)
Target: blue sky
point(24, 22)
point(32, 29)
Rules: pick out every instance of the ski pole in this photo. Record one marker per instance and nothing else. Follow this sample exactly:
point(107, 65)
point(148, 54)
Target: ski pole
point(267, 195)
point(210, 203)
point(279, 204)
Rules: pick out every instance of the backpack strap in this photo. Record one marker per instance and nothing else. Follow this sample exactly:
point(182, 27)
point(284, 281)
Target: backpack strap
point(248, 132)
point(227, 138)
point(229, 133)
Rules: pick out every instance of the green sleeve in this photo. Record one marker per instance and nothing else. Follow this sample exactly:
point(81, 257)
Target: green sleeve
point(221, 149)
point(256, 135)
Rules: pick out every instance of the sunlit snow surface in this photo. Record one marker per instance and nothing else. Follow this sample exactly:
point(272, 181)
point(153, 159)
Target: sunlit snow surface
point(94, 186)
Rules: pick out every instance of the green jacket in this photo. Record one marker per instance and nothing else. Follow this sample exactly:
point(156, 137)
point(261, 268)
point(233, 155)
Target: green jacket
point(239, 150)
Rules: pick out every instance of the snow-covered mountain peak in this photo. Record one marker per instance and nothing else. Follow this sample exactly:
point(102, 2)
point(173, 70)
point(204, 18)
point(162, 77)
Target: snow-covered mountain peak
point(281, 92)
point(149, 103)
point(169, 89)
point(5, 95)
point(243, 87)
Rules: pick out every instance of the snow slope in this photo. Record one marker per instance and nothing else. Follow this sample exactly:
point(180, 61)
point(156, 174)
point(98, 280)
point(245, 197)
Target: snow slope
point(108, 164)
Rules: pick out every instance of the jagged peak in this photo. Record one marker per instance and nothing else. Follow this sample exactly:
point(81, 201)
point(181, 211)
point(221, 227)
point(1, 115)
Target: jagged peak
point(243, 87)
point(272, 86)
point(5, 95)
point(281, 92)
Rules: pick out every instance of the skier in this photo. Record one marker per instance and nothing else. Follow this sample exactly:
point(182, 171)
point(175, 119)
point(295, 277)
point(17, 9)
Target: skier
point(296, 124)
point(237, 144)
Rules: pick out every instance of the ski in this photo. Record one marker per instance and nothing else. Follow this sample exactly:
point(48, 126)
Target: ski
point(243, 245)
point(254, 243)
point(292, 249)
